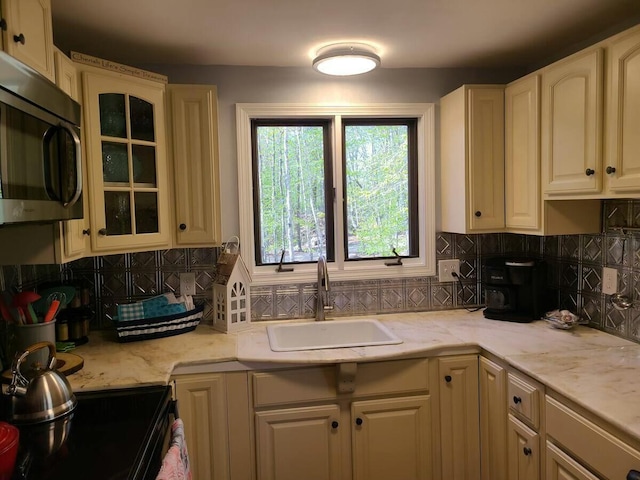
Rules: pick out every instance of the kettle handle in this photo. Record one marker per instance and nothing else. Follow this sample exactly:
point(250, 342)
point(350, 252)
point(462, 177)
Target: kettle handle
point(51, 363)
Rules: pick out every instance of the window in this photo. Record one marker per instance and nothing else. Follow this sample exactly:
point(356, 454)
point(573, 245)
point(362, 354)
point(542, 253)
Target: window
point(354, 184)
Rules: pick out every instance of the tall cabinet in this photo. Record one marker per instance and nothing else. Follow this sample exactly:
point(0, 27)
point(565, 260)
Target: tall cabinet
point(127, 162)
point(472, 159)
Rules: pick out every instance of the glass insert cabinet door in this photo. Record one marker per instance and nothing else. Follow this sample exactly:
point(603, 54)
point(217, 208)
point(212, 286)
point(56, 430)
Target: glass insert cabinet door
point(127, 162)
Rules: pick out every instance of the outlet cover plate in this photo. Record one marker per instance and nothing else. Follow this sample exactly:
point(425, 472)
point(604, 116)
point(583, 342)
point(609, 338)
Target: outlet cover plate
point(609, 280)
point(446, 268)
point(188, 283)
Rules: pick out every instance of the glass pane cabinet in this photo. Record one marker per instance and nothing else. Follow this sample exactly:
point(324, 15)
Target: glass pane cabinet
point(127, 162)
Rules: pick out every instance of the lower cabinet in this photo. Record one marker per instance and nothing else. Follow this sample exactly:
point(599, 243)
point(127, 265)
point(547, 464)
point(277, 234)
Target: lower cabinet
point(561, 466)
point(523, 451)
point(493, 420)
point(202, 406)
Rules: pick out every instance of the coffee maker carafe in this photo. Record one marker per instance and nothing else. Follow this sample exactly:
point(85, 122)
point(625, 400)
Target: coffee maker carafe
point(514, 289)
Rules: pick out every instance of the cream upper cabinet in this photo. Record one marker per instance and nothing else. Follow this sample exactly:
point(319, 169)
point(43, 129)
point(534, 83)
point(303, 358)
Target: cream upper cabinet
point(124, 120)
point(398, 431)
point(75, 233)
point(194, 119)
point(522, 154)
point(622, 141)
point(493, 420)
point(459, 417)
point(572, 92)
point(472, 159)
point(29, 34)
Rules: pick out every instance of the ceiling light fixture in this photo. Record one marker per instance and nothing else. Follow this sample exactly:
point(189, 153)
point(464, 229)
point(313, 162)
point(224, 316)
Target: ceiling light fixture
point(346, 59)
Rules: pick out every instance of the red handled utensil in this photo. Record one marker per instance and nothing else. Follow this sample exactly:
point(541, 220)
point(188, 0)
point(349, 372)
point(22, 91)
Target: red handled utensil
point(51, 312)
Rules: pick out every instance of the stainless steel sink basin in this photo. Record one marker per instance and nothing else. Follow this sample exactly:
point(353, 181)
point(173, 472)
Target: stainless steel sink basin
point(329, 334)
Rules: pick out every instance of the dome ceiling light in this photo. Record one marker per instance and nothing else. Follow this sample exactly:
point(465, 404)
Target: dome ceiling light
point(346, 59)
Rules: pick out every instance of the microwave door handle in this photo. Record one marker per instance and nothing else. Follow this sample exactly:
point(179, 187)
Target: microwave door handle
point(46, 140)
point(78, 149)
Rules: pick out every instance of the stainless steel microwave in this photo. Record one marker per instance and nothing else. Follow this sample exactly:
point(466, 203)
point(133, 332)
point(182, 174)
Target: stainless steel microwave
point(40, 151)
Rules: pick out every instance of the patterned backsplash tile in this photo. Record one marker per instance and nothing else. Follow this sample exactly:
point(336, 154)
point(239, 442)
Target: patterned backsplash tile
point(574, 268)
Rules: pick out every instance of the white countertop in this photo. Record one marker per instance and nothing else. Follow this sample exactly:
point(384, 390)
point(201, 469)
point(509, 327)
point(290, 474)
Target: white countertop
point(596, 370)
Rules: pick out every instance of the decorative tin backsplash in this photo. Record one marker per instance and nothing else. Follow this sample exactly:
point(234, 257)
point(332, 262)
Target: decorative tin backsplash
point(575, 270)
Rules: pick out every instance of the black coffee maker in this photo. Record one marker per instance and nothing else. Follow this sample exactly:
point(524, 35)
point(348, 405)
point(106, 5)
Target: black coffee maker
point(514, 289)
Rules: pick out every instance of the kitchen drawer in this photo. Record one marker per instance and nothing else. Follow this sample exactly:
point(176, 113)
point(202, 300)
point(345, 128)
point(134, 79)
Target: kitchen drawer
point(593, 446)
point(524, 398)
point(316, 384)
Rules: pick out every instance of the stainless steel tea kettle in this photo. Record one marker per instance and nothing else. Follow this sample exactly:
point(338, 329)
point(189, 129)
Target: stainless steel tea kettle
point(46, 396)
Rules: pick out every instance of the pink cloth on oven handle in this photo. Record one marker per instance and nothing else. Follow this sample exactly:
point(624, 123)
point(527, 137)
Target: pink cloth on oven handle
point(175, 464)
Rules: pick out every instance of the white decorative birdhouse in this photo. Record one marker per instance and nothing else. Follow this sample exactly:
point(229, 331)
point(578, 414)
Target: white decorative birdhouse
point(231, 293)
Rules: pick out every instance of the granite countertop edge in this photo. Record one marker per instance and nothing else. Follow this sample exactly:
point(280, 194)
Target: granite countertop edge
point(596, 370)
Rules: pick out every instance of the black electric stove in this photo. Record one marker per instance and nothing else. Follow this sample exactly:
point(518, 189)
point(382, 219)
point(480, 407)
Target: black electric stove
point(111, 435)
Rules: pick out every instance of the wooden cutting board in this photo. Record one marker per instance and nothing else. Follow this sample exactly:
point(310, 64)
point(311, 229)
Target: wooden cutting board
point(67, 364)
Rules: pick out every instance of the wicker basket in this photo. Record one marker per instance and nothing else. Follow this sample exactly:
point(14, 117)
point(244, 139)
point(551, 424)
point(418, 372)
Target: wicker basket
point(159, 327)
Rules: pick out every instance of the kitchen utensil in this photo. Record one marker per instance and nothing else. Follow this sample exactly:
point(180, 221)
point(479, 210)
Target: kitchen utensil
point(46, 396)
point(9, 436)
point(41, 306)
point(22, 299)
point(53, 309)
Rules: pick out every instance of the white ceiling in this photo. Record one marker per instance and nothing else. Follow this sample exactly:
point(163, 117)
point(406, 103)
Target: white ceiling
point(407, 33)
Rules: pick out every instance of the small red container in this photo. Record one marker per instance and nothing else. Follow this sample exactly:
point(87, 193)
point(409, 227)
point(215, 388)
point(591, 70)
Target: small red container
point(9, 441)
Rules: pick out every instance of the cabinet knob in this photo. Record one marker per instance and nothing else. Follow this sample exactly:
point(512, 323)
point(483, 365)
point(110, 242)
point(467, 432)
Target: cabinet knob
point(517, 399)
point(86, 232)
point(526, 451)
point(19, 38)
point(334, 424)
point(358, 421)
point(478, 213)
point(102, 231)
point(182, 226)
point(3, 24)
point(589, 171)
point(447, 378)
point(611, 170)
point(633, 475)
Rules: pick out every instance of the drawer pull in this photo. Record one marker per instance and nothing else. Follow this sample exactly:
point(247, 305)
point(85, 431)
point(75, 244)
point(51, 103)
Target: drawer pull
point(447, 378)
point(478, 213)
point(526, 451)
point(19, 38)
point(611, 170)
point(334, 424)
point(517, 399)
point(358, 421)
point(633, 475)
point(589, 171)
point(183, 227)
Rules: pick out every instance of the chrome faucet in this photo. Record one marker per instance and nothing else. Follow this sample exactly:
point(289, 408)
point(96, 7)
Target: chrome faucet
point(324, 289)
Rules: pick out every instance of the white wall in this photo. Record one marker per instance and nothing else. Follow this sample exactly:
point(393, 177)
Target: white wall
point(298, 85)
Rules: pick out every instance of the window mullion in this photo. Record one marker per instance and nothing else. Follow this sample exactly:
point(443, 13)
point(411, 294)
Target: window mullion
point(338, 178)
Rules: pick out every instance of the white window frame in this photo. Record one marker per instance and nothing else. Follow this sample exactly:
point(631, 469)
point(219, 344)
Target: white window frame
point(423, 265)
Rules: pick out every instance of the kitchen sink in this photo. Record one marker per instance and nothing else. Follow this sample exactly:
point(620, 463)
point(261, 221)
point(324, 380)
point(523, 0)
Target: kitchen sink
point(329, 334)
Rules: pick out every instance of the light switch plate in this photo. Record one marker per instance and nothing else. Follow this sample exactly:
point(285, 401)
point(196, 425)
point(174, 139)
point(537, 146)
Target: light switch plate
point(188, 283)
point(609, 280)
point(446, 268)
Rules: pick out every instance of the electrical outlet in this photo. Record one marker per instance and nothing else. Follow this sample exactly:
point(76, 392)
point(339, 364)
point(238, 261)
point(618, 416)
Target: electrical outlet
point(188, 283)
point(609, 280)
point(446, 269)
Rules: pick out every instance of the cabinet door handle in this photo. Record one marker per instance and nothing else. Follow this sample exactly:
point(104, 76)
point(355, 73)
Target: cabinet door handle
point(611, 170)
point(334, 424)
point(589, 171)
point(478, 213)
point(358, 421)
point(447, 378)
point(3, 24)
point(633, 475)
point(102, 231)
point(517, 399)
point(19, 38)
point(182, 226)
point(526, 451)
point(86, 232)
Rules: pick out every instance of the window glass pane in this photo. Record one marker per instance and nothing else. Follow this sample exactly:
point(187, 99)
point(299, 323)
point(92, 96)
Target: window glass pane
point(117, 208)
point(146, 212)
point(142, 125)
point(291, 205)
point(115, 162)
point(377, 190)
point(112, 116)
point(144, 164)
